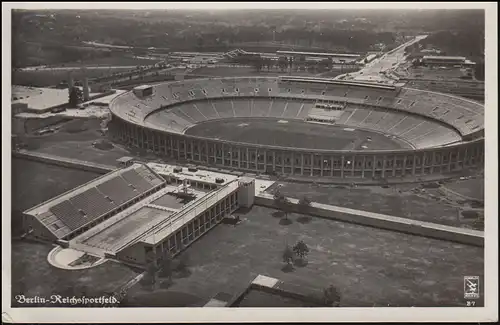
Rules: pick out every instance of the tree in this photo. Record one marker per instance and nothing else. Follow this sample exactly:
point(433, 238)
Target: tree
point(282, 63)
point(277, 194)
point(200, 42)
point(282, 203)
point(285, 206)
point(166, 265)
point(257, 62)
point(300, 249)
point(268, 63)
point(288, 255)
point(331, 296)
point(304, 203)
point(75, 97)
point(183, 262)
point(152, 272)
point(324, 64)
point(479, 71)
point(302, 60)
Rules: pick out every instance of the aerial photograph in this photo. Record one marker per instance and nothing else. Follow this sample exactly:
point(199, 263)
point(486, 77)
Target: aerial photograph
point(247, 158)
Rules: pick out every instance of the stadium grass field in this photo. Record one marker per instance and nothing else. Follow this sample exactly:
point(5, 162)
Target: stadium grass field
point(414, 271)
point(296, 134)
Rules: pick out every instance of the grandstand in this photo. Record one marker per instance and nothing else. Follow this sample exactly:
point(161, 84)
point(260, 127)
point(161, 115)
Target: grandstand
point(74, 212)
point(432, 123)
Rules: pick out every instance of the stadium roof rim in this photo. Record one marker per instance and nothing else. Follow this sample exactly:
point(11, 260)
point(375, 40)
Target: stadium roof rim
point(137, 116)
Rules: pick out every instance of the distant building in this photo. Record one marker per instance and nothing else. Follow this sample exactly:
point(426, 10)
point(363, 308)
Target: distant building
point(143, 91)
point(125, 161)
point(37, 100)
point(430, 51)
point(447, 61)
point(369, 58)
point(335, 57)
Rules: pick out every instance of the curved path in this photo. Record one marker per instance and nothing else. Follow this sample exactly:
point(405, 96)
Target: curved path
point(62, 258)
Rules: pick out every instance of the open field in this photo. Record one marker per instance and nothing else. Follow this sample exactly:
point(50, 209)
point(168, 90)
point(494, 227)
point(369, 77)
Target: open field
point(74, 140)
point(295, 134)
point(472, 188)
point(414, 271)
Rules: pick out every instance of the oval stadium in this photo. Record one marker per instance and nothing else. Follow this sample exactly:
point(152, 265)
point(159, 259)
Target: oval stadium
point(303, 127)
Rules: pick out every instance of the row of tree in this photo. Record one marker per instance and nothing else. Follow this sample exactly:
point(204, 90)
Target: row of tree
point(283, 203)
point(164, 267)
point(75, 97)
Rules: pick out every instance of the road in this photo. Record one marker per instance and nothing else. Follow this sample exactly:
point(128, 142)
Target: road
point(385, 64)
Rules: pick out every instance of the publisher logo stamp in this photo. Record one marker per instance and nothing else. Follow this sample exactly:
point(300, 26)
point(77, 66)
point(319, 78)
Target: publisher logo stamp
point(471, 287)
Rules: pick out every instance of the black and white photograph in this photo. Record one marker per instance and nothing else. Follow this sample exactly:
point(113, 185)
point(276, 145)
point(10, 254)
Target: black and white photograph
point(249, 161)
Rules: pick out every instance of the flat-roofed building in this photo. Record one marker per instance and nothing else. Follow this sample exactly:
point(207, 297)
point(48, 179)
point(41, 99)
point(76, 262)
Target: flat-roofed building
point(432, 60)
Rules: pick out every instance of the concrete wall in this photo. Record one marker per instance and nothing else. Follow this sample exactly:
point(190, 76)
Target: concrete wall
point(310, 295)
point(289, 291)
point(33, 124)
point(414, 227)
point(134, 254)
point(38, 230)
point(18, 125)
